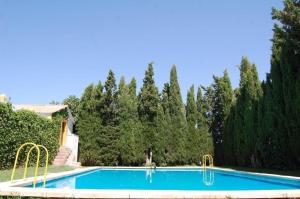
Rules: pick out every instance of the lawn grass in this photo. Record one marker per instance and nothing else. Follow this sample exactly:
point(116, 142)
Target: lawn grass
point(295, 173)
point(6, 174)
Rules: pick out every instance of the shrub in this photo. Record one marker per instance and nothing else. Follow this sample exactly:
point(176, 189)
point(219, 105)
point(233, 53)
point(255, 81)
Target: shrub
point(23, 126)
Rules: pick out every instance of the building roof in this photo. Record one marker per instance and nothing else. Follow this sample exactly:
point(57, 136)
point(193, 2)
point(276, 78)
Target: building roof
point(3, 98)
point(44, 109)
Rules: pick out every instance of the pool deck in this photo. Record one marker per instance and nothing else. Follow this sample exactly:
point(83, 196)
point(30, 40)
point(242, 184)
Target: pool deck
point(12, 189)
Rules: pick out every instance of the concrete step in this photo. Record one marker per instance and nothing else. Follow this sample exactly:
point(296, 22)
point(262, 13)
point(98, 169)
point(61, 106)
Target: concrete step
point(62, 156)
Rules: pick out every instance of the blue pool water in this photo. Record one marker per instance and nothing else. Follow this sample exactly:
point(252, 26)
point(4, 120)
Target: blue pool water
point(171, 179)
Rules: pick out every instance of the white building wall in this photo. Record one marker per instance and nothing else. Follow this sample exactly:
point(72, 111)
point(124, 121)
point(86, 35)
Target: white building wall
point(72, 142)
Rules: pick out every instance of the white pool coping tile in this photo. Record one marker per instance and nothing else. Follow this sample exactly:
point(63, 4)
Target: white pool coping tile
point(13, 189)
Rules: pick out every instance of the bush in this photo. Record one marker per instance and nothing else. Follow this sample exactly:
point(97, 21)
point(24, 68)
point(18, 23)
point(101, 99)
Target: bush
point(19, 127)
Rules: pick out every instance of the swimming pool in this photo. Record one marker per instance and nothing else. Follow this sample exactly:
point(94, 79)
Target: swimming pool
point(171, 179)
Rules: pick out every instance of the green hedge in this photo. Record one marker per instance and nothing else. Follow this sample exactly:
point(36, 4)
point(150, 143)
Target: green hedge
point(19, 127)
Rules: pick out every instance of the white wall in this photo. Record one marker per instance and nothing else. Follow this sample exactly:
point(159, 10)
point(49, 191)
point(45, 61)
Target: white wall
point(72, 141)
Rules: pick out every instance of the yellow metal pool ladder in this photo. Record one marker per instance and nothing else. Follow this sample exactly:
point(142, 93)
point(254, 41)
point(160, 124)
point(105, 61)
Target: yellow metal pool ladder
point(37, 147)
point(210, 161)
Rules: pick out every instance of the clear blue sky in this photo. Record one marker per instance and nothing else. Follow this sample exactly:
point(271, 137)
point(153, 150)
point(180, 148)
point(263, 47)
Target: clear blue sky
point(52, 49)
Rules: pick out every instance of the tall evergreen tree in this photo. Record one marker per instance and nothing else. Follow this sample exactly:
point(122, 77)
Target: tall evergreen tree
point(222, 101)
point(246, 112)
point(208, 105)
point(269, 138)
point(162, 132)
point(88, 127)
point(285, 75)
point(201, 123)
point(148, 97)
point(191, 108)
point(176, 145)
point(130, 149)
point(132, 88)
point(148, 110)
point(109, 108)
point(205, 141)
point(165, 98)
point(166, 143)
point(98, 99)
point(229, 138)
point(193, 142)
point(109, 133)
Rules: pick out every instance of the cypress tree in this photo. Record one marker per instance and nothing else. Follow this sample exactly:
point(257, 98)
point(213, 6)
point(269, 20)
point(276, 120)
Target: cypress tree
point(285, 75)
point(130, 150)
point(246, 121)
point(191, 108)
point(222, 101)
point(201, 123)
point(148, 97)
point(98, 99)
point(88, 127)
point(109, 132)
point(205, 141)
point(166, 136)
point(208, 106)
point(193, 143)
point(148, 108)
point(162, 132)
point(178, 128)
point(270, 139)
point(109, 112)
point(229, 138)
point(132, 88)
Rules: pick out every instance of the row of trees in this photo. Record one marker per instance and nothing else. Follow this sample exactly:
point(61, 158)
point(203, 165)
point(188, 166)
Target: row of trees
point(256, 124)
point(116, 126)
point(262, 128)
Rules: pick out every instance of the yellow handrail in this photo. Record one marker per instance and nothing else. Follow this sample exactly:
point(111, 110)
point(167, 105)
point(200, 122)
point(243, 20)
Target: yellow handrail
point(37, 147)
point(36, 165)
point(210, 160)
point(46, 164)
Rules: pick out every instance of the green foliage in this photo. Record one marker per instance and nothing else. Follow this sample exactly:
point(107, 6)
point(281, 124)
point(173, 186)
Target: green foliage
point(199, 141)
point(149, 113)
point(201, 111)
point(245, 120)
point(129, 143)
point(176, 138)
point(148, 97)
point(285, 81)
point(263, 125)
point(221, 104)
point(117, 127)
point(16, 128)
point(207, 103)
point(88, 126)
point(73, 103)
point(255, 125)
point(109, 133)
point(193, 137)
point(98, 124)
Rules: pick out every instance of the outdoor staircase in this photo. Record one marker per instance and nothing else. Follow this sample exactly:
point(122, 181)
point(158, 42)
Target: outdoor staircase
point(62, 156)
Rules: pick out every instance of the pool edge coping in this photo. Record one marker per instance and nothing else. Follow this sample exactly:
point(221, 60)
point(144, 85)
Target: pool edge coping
point(84, 193)
point(11, 189)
